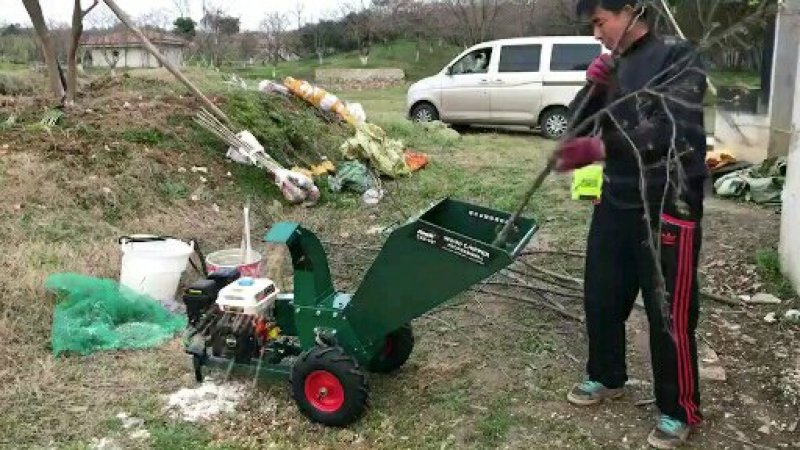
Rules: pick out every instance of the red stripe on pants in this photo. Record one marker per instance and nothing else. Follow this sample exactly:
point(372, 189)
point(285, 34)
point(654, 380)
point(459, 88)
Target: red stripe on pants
point(693, 419)
point(680, 323)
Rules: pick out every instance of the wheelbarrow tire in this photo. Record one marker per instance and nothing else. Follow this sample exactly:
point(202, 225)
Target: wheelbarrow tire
point(397, 349)
point(329, 387)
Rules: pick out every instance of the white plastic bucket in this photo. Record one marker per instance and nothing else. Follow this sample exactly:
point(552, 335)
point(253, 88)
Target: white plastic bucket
point(154, 266)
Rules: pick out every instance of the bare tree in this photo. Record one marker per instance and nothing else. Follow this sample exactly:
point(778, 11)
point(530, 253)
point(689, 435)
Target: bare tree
point(104, 19)
point(216, 24)
point(182, 7)
point(48, 49)
point(274, 27)
point(156, 18)
point(320, 37)
point(78, 14)
point(476, 18)
point(298, 12)
point(358, 19)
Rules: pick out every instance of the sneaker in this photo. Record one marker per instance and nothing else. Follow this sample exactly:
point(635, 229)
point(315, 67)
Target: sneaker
point(669, 433)
point(591, 393)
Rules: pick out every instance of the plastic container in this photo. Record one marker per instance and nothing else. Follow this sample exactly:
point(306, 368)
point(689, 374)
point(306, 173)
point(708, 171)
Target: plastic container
point(153, 265)
point(232, 258)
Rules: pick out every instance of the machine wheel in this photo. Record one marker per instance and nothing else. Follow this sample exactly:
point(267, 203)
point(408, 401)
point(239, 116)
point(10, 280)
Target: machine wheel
point(329, 387)
point(554, 123)
point(396, 349)
point(424, 112)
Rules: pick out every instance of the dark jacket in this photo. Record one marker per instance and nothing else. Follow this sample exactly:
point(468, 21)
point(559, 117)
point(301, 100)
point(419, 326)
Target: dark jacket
point(671, 112)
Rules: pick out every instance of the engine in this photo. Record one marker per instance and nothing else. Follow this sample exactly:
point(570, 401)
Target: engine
point(231, 316)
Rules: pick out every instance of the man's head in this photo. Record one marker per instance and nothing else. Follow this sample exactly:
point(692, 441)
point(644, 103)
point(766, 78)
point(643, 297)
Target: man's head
point(616, 23)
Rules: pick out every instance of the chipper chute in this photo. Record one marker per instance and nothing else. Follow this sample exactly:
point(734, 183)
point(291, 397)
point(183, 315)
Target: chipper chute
point(324, 341)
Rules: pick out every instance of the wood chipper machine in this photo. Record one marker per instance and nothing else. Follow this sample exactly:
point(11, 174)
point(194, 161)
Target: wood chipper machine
point(323, 341)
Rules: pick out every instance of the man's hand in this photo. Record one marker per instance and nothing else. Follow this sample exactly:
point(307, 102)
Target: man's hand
point(599, 71)
point(579, 152)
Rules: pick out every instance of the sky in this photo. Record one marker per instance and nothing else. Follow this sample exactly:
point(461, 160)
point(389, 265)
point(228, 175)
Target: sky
point(250, 12)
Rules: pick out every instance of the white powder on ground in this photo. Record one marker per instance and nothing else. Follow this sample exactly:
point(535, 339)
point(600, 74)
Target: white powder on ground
point(205, 401)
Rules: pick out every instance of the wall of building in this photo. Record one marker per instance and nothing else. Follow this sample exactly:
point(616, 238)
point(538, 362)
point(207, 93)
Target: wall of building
point(134, 57)
point(786, 93)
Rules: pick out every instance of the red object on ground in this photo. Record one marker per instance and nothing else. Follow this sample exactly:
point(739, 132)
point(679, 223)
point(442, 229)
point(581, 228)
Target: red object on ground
point(415, 160)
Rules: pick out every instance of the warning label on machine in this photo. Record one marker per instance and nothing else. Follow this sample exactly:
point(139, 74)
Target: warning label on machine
point(454, 245)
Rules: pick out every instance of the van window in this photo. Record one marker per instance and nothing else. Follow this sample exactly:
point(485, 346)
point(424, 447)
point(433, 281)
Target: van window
point(573, 56)
point(476, 61)
point(520, 58)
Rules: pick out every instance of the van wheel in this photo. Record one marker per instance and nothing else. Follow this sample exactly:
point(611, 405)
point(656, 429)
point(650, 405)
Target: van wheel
point(424, 112)
point(554, 123)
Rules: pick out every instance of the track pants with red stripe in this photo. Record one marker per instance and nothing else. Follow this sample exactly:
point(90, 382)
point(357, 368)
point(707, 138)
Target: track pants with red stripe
point(619, 264)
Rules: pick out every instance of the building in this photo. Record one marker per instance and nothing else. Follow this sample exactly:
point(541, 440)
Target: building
point(123, 49)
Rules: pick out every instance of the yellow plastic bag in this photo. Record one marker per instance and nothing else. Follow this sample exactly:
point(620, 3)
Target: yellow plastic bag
point(320, 98)
point(587, 183)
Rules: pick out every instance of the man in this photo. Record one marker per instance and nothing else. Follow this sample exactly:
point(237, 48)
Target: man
point(641, 113)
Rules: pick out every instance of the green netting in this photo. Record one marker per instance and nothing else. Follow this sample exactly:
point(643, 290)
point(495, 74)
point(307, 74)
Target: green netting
point(95, 314)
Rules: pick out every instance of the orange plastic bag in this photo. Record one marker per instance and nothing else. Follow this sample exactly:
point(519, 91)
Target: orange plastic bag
point(415, 160)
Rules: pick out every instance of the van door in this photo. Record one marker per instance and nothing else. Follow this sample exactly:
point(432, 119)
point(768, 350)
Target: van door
point(465, 88)
point(566, 73)
point(517, 86)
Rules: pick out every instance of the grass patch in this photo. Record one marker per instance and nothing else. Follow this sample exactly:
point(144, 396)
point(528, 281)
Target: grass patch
point(769, 267)
point(735, 78)
point(17, 83)
point(173, 190)
point(179, 436)
point(153, 137)
point(495, 424)
point(147, 136)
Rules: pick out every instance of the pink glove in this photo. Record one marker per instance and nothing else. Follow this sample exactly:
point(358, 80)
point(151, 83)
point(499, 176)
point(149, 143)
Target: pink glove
point(579, 152)
point(599, 71)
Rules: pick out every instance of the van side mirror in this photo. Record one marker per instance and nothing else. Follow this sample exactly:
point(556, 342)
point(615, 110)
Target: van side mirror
point(449, 70)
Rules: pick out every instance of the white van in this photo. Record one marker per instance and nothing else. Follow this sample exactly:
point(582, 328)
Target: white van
point(522, 81)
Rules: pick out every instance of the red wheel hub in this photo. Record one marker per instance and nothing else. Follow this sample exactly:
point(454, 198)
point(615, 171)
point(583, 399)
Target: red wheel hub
point(324, 391)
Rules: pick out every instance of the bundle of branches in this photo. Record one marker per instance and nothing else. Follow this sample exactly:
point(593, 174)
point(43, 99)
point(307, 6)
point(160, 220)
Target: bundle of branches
point(244, 148)
point(527, 283)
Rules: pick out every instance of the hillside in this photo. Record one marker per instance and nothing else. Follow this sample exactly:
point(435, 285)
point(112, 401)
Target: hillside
point(399, 54)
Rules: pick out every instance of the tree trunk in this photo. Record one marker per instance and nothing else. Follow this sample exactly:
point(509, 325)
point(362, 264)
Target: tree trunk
point(72, 65)
point(48, 50)
point(72, 61)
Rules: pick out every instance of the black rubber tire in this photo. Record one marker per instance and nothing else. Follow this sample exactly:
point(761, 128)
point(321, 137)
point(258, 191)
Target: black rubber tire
point(424, 112)
point(397, 349)
point(334, 362)
point(559, 114)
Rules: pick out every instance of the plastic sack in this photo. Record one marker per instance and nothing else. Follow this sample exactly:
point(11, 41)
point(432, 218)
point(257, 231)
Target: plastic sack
point(357, 112)
point(269, 86)
point(371, 143)
point(320, 98)
point(415, 160)
point(352, 175)
point(296, 187)
point(97, 314)
point(243, 155)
